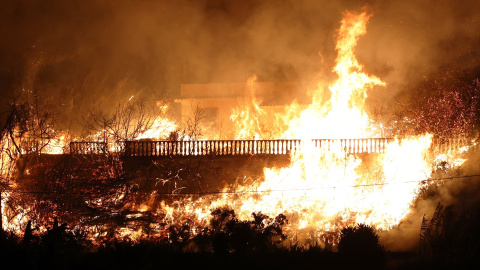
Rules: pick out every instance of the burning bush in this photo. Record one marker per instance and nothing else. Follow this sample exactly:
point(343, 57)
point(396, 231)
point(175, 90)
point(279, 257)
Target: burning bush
point(440, 107)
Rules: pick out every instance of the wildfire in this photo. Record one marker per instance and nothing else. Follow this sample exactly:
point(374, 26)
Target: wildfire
point(58, 144)
point(161, 127)
point(325, 190)
point(343, 116)
point(248, 116)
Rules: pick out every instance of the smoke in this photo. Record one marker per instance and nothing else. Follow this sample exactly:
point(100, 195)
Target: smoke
point(88, 52)
point(101, 52)
point(458, 188)
point(411, 41)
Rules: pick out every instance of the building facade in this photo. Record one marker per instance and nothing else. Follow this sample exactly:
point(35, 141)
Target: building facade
point(221, 103)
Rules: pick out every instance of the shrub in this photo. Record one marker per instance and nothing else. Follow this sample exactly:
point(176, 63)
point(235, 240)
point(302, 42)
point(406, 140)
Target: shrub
point(359, 244)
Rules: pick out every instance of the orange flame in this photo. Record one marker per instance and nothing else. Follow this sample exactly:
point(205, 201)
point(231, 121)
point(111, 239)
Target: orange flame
point(323, 190)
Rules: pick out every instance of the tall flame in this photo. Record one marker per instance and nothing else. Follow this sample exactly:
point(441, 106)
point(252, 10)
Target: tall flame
point(323, 190)
point(343, 115)
point(248, 116)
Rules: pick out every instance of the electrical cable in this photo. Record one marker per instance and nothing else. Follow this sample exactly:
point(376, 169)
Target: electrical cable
point(258, 191)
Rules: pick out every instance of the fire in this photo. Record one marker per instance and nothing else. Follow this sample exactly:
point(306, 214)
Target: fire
point(57, 145)
point(343, 115)
point(161, 127)
point(248, 116)
point(323, 189)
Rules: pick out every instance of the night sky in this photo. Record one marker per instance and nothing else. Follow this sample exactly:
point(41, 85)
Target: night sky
point(90, 52)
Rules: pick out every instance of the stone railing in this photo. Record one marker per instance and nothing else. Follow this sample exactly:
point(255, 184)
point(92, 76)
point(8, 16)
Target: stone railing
point(252, 147)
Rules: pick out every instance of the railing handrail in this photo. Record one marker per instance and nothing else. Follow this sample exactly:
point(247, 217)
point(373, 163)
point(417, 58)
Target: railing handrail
point(88, 147)
point(244, 147)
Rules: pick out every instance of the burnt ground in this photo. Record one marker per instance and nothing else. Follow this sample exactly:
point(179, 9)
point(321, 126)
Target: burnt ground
point(202, 173)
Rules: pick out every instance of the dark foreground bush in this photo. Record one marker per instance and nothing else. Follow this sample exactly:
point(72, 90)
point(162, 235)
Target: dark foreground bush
point(230, 234)
point(57, 248)
point(359, 245)
point(451, 238)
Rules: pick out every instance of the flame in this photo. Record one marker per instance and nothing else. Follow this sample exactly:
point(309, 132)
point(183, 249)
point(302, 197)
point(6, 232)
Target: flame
point(343, 115)
point(57, 145)
point(160, 129)
point(325, 187)
point(161, 126)
point(323, 190)
point(248, 116)
point(12, 219)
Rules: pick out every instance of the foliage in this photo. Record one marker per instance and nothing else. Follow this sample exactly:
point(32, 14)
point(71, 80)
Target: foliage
point(56, 247)
point(27, 128)
point(360, 244)
point(232, 235)
point(126, 122)
point(193, 128)
point(450, 238)
point(441, 107)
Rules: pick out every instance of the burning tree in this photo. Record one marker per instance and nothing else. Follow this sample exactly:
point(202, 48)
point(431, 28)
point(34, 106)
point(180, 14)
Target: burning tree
point(130, 120)
point(28, 128)
point(441, 107)
point(98, 191)
point(94, 191)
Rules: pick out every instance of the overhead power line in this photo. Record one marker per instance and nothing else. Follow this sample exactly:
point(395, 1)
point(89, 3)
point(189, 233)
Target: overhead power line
point(239, 192)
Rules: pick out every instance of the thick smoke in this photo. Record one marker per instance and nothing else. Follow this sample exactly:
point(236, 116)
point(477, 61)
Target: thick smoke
point(86, 52)
point(457, 188)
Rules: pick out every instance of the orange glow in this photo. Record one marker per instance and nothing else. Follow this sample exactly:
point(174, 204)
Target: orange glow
point(248, 117)
point(323, 190)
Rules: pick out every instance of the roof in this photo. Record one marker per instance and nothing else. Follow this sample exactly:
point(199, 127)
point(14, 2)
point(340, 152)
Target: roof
point(267, 93)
